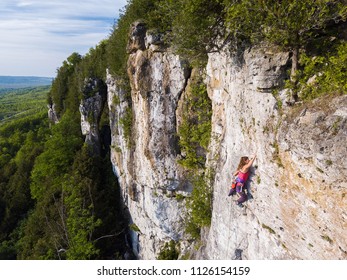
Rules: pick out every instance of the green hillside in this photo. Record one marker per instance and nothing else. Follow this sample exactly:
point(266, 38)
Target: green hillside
point(17, 103)
point(23, 132)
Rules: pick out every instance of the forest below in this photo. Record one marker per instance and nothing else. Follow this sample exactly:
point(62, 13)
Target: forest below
point(15, 103)
point(40, 163)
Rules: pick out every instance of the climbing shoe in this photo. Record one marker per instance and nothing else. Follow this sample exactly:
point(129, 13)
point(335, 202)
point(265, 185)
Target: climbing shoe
point(249, 196)
point(231, 192)
point(239, 204)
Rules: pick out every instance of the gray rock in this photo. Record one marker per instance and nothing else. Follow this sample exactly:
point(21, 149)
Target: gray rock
point(299, 186)
point(154, 40)
point(148, 171)
point(298, 183)
point(52, 114)
point(137, 37)
point(91, 108)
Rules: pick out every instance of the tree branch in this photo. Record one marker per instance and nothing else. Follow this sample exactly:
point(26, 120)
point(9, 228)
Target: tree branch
point(110, 235)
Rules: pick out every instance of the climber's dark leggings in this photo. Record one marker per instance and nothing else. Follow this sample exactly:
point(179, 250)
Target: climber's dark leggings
point(243, 197)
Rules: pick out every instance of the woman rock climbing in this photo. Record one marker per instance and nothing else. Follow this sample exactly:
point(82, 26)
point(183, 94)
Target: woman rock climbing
point(241, 178)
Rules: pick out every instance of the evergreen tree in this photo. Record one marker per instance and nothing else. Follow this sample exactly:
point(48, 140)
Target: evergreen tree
point(60, 85)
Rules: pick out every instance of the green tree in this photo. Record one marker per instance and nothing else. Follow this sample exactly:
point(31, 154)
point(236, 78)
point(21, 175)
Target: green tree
point(199, 204)
point(15, 170)
point(60, 85)
point(94, 221)
point(58, 156)
point(96, 60)
point(290, 24)
point(79, 192)
point(195, 28)
point(195, 134)
point(47, 177)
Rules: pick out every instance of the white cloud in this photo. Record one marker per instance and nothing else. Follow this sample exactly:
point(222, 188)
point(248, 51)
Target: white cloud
point(23, 4)
point(38, 35)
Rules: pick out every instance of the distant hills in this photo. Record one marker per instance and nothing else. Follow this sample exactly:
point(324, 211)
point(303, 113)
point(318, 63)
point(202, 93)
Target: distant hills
point(15, 82)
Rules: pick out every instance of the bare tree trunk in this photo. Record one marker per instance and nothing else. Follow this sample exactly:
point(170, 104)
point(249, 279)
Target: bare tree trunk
point(293, 77)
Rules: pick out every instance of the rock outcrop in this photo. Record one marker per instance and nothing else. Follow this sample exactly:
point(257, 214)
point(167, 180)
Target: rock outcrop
point(297, 193)
point(52, 114)
point(146, 164)
point(91, 108)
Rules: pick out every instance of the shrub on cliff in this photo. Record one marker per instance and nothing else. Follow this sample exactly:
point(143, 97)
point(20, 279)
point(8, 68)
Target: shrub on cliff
point(195, 129)
point(195, 134)
point(169, 251)
point(199, 204)
point(324, 74)
point(289, 24)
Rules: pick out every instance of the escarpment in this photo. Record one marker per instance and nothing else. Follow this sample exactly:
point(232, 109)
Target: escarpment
point(297, 193)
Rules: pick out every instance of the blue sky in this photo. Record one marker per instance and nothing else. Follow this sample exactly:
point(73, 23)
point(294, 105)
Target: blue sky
point(36, 36)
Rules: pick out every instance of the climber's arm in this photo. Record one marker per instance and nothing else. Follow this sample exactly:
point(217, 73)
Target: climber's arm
point(249, 164)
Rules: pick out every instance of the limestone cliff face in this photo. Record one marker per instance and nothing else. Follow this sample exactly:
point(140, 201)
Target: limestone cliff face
point(298, 210)
point(297, 207)
point(52, 114)
point(146, 163)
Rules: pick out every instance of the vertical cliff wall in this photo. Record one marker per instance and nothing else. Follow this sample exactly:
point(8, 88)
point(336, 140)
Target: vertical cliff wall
point(146, 162)
point(298, 182)
point(297, 202)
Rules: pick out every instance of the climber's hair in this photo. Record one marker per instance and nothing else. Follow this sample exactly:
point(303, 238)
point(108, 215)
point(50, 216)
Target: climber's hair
point(242, 163)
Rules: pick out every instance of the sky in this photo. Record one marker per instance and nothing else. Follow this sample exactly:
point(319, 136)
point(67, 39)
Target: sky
point(36, 36)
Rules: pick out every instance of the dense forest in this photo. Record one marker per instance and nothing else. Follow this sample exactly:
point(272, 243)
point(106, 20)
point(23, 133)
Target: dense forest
point(60, 200)
point(16, 103)
point(57, 200)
